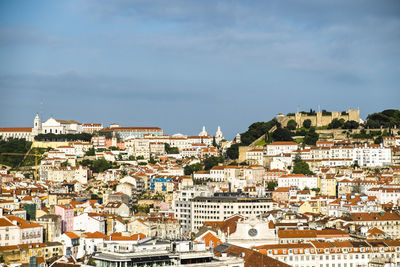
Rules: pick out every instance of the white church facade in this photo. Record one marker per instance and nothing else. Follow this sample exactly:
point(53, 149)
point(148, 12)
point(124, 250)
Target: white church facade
point(50, 126)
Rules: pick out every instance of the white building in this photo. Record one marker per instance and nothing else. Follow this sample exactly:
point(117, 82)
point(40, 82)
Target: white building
point(340, 254)
point(17, 132)
point(15, 231)
point(61, 127)
point(90, 222)
point(221, 206)
point(277, 148)
point(385, 194)
point(182, 205)
point(91, 127)
point(255, 156)
point(67, 174)
point(372, 156)
point(298, 180)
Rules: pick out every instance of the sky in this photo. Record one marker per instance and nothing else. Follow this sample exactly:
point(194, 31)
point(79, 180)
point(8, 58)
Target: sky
point(183, 64)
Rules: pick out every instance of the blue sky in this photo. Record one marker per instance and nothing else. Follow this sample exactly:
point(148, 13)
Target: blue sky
point(183, 64)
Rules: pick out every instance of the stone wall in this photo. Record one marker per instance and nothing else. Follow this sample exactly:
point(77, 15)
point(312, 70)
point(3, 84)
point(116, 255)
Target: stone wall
point(320, 120)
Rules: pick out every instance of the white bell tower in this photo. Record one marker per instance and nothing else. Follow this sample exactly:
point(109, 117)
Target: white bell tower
point(37, 126)
point(218, 135)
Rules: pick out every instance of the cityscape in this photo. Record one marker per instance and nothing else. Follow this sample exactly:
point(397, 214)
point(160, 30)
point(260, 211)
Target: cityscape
point(302, 189)
point(222, 133)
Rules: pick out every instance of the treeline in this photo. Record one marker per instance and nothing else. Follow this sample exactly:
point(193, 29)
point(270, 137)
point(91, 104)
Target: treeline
point(98, 165)
point(85, 137)
point(13, 145)
point(209, 162)
point(388, 118)
point(256, 130)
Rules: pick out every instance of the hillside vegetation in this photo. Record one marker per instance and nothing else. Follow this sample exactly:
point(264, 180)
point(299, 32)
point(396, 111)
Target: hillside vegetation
point(389, 118)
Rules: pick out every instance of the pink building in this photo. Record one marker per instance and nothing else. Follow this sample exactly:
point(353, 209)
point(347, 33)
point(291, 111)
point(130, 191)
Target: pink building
point(67, 217)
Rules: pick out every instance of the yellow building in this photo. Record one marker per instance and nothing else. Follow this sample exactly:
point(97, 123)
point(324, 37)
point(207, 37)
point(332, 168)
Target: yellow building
point(328, 186)
point(23, 252)
point(311, 206)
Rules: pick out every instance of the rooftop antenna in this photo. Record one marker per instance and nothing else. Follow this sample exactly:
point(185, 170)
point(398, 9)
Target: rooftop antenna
point(298, 108)
point(319, 108)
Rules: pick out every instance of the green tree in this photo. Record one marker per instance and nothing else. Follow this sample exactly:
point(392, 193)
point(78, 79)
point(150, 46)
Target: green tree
point(351, 125)
point(94, 196)
point(64, 164)
point(256, 130)
point(85, 137)
point(282, 134)
point(13, 145)
point(291, 125)
point(90, 152)
point(307, 123)
point(211, 162)
point(214, 142)
point(189, 169)
point(152, 160)
point(386, 118)
point(336, 124)
point(272, 185)
point(98, 165)
point(171, 150)
point(302, 167)
point(378, 140)
point(233, 151)
point(311, 137)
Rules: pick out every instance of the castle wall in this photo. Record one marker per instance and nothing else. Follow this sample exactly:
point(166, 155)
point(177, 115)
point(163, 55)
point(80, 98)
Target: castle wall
point(319, 120)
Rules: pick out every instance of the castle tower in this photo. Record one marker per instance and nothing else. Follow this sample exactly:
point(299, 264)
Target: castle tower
point(37, 125)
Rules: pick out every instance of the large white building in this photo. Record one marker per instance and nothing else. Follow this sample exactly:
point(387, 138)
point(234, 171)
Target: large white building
point(15, 231)
point(16, 132)
point(374, 155)
point(90, 222)
point(61, 127)
point(221, 206)
point(50, 126)
point(336, 254)
point(277, 148)
point(298, 180)
point(182, 205)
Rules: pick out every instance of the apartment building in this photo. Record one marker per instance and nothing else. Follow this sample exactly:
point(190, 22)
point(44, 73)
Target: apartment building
point(298, 180)
point(336, 253)
point(15, 231)
point(220, 206)
point(389, 222)
point(182, 204)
